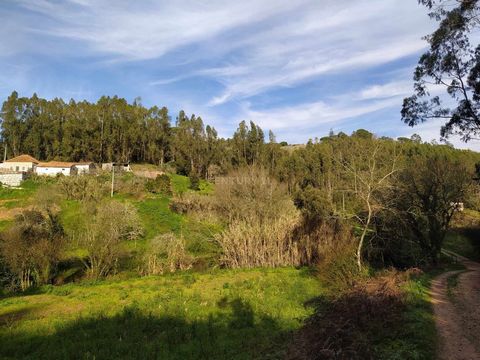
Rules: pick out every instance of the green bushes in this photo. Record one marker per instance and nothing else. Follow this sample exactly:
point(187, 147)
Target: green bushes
point(31, 248)
point(194, 182)
point(160, 185)
point(82, 188)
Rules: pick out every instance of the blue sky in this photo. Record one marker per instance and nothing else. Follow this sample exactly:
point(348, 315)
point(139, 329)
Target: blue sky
point(298, 67)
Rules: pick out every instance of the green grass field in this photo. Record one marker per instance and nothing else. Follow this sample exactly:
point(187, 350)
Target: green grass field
point(217, 315)
point(205, 313)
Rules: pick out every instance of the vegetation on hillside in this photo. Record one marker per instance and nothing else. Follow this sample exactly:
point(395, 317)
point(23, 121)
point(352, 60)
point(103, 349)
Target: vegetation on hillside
point(343, 207)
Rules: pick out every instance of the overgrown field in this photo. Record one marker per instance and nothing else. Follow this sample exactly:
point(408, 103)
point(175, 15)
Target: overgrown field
point(218, 315)
point(203, 311)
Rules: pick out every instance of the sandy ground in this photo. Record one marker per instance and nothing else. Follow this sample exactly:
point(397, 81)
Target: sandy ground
point(457, 315)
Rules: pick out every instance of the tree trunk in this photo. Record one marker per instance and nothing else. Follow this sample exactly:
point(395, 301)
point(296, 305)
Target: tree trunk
point(362, 237)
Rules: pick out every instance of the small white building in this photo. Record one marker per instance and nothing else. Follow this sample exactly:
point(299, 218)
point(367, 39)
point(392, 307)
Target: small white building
point(21, 163)
point(53, 168)
point(118, 166)
point(12, 179)
point(85, 168)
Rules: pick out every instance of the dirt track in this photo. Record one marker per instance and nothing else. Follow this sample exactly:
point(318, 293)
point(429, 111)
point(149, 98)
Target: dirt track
point(457, 315)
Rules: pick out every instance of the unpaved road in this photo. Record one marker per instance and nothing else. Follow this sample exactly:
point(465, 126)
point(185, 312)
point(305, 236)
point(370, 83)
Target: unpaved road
point(457, 315)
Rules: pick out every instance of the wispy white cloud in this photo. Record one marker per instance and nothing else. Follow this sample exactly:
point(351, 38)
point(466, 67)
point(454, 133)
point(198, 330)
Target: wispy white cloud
point(223, 59)
point(314, 115)
point(150, 29)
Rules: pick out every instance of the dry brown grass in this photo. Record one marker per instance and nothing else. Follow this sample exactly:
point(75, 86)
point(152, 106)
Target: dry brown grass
point(343, 325)
point(166, 253)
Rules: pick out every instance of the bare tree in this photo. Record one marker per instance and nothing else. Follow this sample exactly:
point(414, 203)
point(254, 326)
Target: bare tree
point(112, 223)
point(369, 168)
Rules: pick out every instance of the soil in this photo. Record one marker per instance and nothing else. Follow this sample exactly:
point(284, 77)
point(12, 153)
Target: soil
point(457, 313)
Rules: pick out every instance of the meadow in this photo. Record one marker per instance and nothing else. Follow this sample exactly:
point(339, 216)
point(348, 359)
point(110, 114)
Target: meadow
point(206, 312)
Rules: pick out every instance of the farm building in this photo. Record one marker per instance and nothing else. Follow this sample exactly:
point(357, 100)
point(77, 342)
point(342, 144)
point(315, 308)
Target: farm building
point(85, 168)
point(117, 165)
point(53, 168)
point(12, 178)
point(21, 163)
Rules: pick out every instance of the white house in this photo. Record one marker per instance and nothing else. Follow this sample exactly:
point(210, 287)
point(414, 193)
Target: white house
point(53, 168)
point(85, 167)
point(21, 163)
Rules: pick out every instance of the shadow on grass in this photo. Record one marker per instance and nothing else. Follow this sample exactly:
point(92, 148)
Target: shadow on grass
point(132, 334)
point(380, 319)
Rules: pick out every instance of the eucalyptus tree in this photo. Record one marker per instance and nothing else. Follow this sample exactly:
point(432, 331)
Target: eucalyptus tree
point(452, 62)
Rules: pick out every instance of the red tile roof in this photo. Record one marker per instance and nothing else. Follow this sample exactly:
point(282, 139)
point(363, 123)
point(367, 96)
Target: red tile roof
point(23, 158)
point(59, 164)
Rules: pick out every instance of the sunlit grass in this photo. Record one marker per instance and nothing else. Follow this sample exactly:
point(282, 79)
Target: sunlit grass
point(223, 314)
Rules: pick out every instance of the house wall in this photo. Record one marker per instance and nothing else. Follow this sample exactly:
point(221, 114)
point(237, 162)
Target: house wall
point(12, 179)
point(85, 168)
point(53, 171)
point(17, 166)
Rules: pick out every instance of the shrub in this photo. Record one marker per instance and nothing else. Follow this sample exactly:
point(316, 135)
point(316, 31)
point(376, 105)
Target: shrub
point(112, 223)
point(166, 253)
point(261, 220)
point(192, 203)
point(247, 244)
point(337, 267)
point(250, 193)
point(347, 325)
point(31, 248)
point(194, 182)
point(130, 184)
point(83, 188)
point(160, 185)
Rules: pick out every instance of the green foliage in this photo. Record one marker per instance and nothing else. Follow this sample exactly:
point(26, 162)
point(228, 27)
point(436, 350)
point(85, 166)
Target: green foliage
point(32, 247)
point(194, 182)
point(160, 185)
point(219, 315)
point(313, 202)
point(451, 62)
point(465, 242)
point(83, 188)
point(107, 226)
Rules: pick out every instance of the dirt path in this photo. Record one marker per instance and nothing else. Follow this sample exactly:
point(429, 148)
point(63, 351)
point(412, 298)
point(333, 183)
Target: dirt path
point(457, 315)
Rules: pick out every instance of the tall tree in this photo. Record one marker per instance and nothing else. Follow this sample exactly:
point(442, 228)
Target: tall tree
point(452, 62)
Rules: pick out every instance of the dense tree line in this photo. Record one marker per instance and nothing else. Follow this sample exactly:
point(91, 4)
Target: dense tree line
point(114, 130)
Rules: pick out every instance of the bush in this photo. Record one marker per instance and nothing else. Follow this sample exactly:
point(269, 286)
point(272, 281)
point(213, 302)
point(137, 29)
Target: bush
point(166, 253)
point(112, 223)
point(247, 244)
point(31, 248)
point(261, 220)
point(160, 185)
point(349, 324)
point(192, 203)
point(130, 184)
point(82, 188)
point(194, 182)
point(338, 267)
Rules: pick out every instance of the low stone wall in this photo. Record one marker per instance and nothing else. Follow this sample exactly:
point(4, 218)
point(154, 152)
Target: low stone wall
point(12, 179)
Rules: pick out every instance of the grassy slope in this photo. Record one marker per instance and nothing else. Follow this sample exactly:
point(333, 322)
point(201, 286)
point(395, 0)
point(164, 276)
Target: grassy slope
point(464, 238)
point(181, 316)
point(220, 315)
point(12, 198)
point(416, 336)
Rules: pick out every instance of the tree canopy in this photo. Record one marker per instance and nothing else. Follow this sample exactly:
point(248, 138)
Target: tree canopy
point(452, 63)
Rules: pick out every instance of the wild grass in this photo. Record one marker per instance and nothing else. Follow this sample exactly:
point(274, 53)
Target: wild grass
point(465, 242)
point(181, 184)
point(219, 315)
